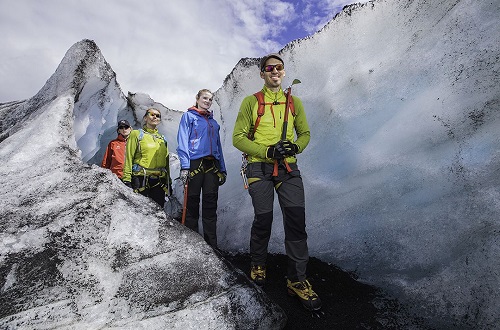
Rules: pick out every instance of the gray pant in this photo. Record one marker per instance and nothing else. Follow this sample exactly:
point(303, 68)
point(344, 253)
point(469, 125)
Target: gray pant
point(290, 191)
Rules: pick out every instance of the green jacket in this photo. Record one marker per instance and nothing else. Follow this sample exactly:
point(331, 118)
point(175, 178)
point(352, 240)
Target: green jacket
point(149, 155)
point(270, 127)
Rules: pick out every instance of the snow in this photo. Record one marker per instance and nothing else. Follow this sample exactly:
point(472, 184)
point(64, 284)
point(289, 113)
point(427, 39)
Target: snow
point(401, 179)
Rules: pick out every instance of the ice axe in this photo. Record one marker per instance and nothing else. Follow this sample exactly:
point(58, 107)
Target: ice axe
point(184, 204)
point(285, 125)
point(288, 100)
point(294, 82)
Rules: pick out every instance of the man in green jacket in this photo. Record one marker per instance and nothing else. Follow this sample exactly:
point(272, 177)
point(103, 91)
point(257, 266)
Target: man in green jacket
point(272, 164)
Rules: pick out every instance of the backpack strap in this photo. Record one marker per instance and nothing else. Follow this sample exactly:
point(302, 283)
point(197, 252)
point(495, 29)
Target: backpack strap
point(262, 108)
point(139, 138)
point(260, 112)
point(260, 98)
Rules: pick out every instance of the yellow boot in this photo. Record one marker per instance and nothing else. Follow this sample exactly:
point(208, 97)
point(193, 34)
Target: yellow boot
point(303, 290)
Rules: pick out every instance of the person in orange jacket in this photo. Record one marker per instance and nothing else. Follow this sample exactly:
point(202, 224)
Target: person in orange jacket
point(114, 158)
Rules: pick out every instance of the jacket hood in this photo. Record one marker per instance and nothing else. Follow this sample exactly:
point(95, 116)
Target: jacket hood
point(199, 112)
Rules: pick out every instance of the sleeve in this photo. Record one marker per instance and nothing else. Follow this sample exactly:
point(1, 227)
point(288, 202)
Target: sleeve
point(106, 160)
point(183, 141)
point(130, 150)
point(243, 125)
point(301, 126)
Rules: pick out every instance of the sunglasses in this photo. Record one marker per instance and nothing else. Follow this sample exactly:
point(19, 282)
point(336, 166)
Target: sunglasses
point(123, 127)
point(157, 115)
point(270, 68)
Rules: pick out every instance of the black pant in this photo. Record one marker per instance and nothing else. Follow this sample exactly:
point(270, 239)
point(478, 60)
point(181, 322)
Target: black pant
point(206, 183)
point(153, 188)
point(290, 191)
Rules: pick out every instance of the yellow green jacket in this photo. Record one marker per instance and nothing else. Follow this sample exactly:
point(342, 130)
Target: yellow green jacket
point(148, 155)
point(270, 127)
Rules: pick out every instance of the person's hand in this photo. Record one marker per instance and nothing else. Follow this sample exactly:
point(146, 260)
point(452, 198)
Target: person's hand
point(288, 148)
point(273, 152)
point(128, 184)
point(222, 178)
point(184, 176)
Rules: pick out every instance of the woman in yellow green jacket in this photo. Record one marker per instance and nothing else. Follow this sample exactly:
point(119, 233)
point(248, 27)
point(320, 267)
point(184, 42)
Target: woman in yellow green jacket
point(146, 167)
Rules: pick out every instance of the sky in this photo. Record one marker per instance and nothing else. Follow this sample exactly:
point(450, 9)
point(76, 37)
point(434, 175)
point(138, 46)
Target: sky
point(167, 49)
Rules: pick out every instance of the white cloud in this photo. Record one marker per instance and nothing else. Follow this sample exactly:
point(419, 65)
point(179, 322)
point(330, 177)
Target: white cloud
point(168, 49)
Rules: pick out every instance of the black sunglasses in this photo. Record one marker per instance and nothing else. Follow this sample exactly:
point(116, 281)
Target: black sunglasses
point(157, 115)
point(270, 68)
point(123, 127)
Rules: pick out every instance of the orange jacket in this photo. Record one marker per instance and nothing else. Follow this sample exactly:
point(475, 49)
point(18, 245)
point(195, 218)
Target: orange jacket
point(114, 158)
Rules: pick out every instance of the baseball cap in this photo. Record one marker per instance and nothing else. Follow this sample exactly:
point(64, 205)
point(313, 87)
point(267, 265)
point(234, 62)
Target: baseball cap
point(264, 59)
point(123, 123)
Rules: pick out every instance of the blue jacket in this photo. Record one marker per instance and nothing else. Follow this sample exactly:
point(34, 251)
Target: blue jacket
point(198, 137)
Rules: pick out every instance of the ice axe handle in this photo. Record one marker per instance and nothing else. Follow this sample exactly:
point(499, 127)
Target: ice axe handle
point(184, 204)
point(285, 121)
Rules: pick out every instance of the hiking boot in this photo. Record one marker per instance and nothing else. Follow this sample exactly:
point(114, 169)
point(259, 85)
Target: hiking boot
point(258, 274)
point(303, 290)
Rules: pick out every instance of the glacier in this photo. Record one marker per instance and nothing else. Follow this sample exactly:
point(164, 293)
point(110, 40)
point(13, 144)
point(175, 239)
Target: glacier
point(402, 173)
point(80, 250)
point(401, 176)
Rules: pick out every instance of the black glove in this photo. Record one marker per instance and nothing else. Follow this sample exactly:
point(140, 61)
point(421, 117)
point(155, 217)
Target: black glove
point(184, 176)
point(290, 149)
point(273, 152)
point(222, 178)
point(128, 184)
point(286, 148)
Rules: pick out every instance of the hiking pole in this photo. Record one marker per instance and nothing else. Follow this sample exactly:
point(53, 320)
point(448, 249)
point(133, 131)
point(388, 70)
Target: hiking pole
point(184, 204)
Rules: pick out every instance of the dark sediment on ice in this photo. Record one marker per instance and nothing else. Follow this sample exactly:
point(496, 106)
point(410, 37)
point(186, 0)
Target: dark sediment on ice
point(347, 303)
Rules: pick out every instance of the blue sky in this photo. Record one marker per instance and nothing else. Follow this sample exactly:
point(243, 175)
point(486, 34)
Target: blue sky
point(309, 17)
point(167, 49)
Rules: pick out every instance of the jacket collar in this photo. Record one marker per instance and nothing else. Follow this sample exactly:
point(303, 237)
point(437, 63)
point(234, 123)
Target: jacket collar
point(269, 93)
point(149, 130)
point(201, 112)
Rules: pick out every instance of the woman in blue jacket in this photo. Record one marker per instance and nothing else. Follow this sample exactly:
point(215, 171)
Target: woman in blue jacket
point(202, 164)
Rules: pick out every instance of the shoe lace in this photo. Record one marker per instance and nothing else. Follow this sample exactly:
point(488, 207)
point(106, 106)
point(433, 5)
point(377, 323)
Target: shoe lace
point(259, 271)
point(305, 287)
